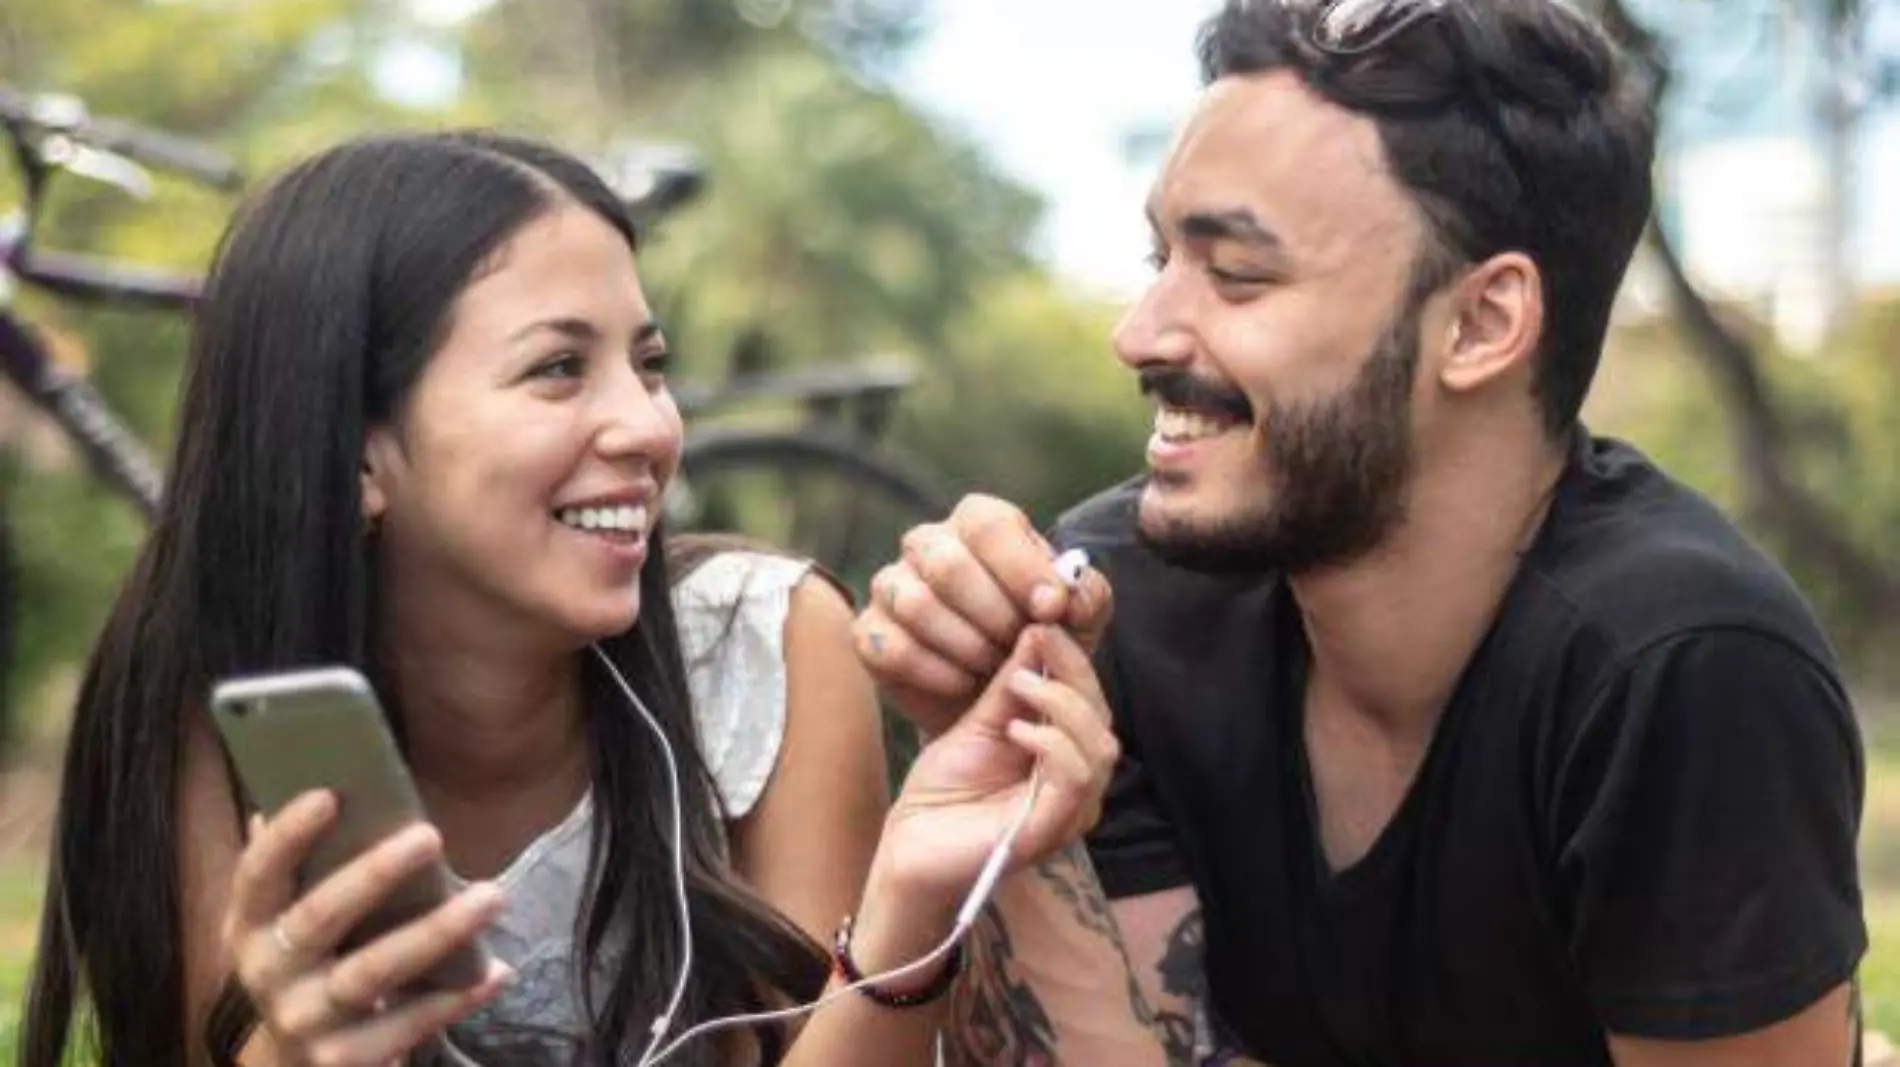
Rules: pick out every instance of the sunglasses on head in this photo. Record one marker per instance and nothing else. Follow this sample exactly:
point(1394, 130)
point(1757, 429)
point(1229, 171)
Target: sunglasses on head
point(1354, 29)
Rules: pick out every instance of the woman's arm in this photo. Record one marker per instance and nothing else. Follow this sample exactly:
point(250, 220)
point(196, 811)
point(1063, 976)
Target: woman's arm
point(208, 849)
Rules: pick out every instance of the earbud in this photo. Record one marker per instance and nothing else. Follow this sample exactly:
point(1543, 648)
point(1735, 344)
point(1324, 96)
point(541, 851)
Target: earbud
point(1071, 565)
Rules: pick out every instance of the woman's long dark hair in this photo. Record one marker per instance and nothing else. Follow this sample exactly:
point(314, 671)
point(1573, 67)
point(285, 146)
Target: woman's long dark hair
point(327, 297)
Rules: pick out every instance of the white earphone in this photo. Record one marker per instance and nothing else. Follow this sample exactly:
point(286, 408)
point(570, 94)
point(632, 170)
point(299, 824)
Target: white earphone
point(1070, 566)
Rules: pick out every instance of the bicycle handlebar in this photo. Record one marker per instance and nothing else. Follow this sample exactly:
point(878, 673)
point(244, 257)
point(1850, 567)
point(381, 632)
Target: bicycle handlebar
point(88, 278)
point(67, 116)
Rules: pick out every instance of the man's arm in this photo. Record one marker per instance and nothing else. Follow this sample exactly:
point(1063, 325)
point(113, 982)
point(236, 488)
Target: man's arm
point(1048, 980)
point(1163, 935)
point(1823, 1034)
point(1705, 828)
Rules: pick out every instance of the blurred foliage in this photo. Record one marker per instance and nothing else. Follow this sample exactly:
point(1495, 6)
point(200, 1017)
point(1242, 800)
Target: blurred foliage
point(841, 222)
point(1843, 410)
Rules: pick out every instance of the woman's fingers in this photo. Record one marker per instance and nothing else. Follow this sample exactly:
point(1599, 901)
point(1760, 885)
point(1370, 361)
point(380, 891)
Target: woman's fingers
point(387, 965)
point(266, 875)
point(329, 911)
point(1069, 700)
point(1064, 659)
point(389, 1035)
point(1068, 804)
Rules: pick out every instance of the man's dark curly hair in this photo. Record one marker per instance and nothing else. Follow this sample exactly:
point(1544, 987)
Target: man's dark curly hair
point(1514, 125)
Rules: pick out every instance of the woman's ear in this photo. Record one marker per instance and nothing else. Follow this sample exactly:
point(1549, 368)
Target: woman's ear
point(375, 478)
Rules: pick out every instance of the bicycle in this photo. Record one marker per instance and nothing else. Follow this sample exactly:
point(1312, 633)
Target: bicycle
point(818, 482)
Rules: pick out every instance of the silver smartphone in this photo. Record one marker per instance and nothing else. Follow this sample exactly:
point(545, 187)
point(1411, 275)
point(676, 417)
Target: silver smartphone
point(323, 728)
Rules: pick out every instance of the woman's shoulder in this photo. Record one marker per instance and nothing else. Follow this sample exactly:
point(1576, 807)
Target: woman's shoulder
point(737, 577)
point(735, 608)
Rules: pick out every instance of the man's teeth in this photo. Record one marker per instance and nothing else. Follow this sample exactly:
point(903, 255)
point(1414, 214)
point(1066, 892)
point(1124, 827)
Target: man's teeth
point(1175, 424)
point(626, 518)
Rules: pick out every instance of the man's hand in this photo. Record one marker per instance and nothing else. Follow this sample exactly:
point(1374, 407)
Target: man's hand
point(945, 615)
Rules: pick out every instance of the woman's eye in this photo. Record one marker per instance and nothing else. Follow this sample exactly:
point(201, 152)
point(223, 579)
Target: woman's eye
point(568, 364)
point(655, 363)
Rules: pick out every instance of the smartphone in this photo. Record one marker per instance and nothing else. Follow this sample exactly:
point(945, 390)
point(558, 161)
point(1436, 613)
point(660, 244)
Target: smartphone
point(323, 728)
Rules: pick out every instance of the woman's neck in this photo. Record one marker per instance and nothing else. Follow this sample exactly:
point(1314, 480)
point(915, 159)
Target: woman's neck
point(496, 737)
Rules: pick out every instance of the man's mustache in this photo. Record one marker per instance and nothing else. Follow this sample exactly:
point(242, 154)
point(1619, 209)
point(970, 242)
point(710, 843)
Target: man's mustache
point(1177, 388)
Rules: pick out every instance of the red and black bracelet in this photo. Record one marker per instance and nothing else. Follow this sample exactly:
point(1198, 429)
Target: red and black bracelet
point(842, 962)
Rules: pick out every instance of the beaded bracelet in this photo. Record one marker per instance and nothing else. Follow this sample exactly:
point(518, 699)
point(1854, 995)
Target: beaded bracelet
point(845, 966)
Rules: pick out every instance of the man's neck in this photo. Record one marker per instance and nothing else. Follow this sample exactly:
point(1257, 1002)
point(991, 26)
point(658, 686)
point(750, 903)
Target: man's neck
point(1391, 633)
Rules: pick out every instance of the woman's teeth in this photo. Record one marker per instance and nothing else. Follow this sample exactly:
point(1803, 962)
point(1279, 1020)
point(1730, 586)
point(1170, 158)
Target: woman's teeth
point(625, 518)
point(1176, 424)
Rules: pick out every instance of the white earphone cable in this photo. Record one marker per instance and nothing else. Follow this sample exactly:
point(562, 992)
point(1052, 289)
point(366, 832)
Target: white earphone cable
point(1070, 566)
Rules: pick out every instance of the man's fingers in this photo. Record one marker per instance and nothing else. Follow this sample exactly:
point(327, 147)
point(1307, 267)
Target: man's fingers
point(909, 601)
point(1020, 560)
point(903, 665)
point(939, 556)
point(1091, 604)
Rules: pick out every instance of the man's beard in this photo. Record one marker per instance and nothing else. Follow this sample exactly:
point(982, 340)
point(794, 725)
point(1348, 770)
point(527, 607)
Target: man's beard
point(1340, 468)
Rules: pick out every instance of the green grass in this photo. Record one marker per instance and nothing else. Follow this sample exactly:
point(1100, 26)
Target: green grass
point(19, 908)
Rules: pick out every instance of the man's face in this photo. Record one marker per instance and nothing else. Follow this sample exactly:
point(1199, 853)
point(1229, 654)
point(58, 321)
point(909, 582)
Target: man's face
point(1278, 339)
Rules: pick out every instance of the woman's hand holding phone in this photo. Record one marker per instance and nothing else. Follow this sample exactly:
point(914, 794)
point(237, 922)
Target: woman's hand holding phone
point(325, 1006)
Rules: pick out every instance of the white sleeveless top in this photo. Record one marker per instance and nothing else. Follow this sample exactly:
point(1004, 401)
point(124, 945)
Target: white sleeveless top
point(731, 612)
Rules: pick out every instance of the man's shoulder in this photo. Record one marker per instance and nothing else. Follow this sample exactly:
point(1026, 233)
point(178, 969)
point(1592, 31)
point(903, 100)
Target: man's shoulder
point(1633, 557)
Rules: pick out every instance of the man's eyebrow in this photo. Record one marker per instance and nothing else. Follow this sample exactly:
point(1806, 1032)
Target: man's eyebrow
point(1233, 224)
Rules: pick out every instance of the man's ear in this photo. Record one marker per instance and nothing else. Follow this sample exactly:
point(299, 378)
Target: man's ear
point(1496, 321)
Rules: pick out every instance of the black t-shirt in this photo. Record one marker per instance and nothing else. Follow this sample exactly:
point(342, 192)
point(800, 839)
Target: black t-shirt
point(1637, 814)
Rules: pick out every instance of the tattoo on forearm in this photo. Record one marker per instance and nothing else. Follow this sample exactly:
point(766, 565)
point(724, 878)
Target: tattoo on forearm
point(1183, 974)
point(1072, 877)
point(996, 1019)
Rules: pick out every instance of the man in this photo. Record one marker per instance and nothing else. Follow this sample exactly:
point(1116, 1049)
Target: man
point(1451, 734)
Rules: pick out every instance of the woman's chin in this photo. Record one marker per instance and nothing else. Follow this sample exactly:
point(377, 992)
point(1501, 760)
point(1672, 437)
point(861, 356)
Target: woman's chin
point(603, 617)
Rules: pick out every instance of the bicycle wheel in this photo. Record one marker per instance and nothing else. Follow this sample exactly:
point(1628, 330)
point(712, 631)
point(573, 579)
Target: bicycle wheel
point(812, 490)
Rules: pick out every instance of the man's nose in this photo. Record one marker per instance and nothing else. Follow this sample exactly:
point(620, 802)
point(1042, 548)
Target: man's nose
point(1156, 330)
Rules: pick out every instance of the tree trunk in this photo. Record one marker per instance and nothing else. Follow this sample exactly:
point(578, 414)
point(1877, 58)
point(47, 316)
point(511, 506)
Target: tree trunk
point(1773, 495)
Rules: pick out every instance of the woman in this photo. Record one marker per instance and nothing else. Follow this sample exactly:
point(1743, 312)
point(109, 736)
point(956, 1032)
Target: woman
point(426, 432)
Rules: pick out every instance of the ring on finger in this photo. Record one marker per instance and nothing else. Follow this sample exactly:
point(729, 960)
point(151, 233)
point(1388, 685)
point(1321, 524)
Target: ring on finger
point(283, 940)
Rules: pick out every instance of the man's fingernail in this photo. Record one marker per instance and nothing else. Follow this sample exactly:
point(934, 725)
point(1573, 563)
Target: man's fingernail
point(1046, 599)
point(1025, 681)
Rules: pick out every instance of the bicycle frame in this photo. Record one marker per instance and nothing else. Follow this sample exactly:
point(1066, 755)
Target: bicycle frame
point(48, 134)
